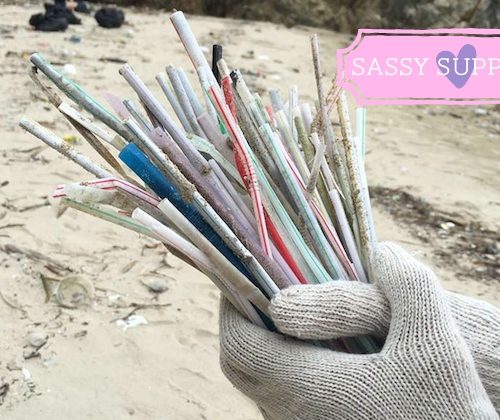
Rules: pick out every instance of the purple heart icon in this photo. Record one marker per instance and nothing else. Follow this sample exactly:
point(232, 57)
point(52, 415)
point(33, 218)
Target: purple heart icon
point(457, 68)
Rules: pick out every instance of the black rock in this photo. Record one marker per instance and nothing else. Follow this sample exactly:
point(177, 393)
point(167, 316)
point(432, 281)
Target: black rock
point(110, 17)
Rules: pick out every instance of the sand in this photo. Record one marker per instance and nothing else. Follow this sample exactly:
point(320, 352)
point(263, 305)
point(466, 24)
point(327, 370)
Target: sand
point(90, 368)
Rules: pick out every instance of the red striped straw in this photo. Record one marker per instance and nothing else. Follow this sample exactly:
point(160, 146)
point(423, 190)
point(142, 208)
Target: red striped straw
point(227, 89)
point(245, 166)
point(283, 250)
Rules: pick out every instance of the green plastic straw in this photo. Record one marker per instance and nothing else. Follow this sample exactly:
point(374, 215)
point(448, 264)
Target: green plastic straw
point(109, 216)
point(80, 96)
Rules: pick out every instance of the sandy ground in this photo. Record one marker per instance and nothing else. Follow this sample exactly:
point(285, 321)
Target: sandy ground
point(168, 369)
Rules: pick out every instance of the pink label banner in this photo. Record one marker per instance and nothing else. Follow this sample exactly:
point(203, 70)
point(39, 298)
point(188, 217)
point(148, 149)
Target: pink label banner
point(436, 66)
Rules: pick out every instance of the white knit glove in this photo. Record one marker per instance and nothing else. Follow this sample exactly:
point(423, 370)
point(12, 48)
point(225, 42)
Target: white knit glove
point(425, 370)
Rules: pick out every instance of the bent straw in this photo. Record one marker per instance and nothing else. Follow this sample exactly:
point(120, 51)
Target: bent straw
point(200, 260)
point(117, 197)
point(174, 103)
point(83, 125)
point(135, 197)
point(77, 94)
point(227, 270)
point(116, 184)
point(89, 195)
point(74, 117)
point(63, 148)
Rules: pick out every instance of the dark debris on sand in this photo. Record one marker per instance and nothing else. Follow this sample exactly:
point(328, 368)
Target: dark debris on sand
point(466, 246)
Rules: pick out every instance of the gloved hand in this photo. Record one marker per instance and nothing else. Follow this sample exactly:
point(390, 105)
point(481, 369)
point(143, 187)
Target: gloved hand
point(424, 371)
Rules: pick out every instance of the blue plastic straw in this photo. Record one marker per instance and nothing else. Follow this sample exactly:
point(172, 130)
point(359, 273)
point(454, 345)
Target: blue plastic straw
point(138, 162)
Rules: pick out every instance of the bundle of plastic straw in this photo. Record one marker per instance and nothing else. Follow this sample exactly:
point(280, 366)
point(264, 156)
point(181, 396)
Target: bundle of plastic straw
point(257, 197)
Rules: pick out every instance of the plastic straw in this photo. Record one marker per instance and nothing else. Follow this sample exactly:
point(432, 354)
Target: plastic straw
point(193, 99)
point(162, 116)
point(202, 261)
point(227, 270)
point(191, 45)
point(77, 94)
point(137, 115)
point(183, 99)
point(213, 218)
point(248, 171)
point(174, 103)
point(63, 148)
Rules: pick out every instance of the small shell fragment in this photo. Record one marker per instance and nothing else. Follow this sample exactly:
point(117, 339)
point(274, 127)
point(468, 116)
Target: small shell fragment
point(156, 285)
point(37, 339)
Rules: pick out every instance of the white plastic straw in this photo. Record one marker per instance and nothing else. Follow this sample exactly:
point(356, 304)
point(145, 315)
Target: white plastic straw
point(203, 263)
point(64, 148)
point(172, 99)
point(347, 234)
point(191, 44)
point(227, 270)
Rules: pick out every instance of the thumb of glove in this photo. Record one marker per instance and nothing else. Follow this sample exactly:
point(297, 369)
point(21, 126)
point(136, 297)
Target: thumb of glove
point(331, 310)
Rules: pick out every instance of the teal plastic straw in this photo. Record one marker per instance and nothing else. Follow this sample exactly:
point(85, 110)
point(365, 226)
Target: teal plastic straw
point(80, 96)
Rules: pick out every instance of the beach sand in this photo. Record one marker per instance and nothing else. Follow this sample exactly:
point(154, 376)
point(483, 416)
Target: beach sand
point(90, 368)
